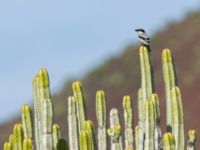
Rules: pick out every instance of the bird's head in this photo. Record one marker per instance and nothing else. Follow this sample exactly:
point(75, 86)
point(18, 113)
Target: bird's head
point(140, 30)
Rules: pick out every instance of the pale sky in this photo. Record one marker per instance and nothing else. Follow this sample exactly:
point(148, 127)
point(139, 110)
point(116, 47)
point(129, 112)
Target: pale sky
point(69, 38)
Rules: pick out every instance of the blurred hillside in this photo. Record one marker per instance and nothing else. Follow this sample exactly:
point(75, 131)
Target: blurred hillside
point(121, 75)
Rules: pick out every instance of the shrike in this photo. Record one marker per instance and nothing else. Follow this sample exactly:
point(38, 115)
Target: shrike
point(143, 37)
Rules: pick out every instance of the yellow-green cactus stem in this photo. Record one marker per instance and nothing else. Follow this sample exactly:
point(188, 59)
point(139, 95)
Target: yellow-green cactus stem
point(56, 135)
point(177, 118)
point(44, 84)
point(7, 146)
point(158, 134)
point(149, 125)
point(169, 82)
point(136, 138)
point(168, 141)
point(47, 117)
point(191, 140)
point(18, 137)
point(146, 73)
point(27, 121)
point(27, 144)
point(37, 114)
point(115, 130)
point(11, 141)
point(88, 125)
point(101, 110)
point(128, 120)
point(80, 104)
point(86, 140)
point(72, 124)
point(141, 118)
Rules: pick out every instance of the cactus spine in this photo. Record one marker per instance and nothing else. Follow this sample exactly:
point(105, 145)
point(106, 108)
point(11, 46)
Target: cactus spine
point(128, 120)
point(101, 119)
point(72, 124)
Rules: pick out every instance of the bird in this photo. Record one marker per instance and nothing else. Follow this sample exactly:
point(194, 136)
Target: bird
point(143, 37)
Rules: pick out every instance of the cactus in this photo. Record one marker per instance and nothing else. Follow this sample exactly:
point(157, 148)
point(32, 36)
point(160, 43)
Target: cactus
point(27, 144)
point(17, 137)
point(128, 120)
point(72, 124)
point(149, 125)
point(170, 82)
point(27, 121)
point(101, 119)
point(56, 135)
point(81, 132)
point(80, 103)
point(177, 118)
point(7, 146)
point(158, 133)
point(168, 141)
point(191, 140)
point(86, 140)
point(115, 130)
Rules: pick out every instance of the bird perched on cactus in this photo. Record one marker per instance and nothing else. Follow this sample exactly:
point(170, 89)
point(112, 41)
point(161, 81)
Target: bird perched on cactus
point(143, 37)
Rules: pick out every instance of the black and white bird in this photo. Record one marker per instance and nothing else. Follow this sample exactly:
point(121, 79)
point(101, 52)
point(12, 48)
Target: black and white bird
point(143, 37)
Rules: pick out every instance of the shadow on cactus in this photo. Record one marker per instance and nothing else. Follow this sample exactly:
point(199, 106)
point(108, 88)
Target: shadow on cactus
point(38, 131)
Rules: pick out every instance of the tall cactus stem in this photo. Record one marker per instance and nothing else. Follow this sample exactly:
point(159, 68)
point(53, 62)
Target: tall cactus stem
point(169, 82)
point(101, 111)
point(72, 124)
point(47, 116)
point(177, 118)
point(80, 104)
point(27, 121)
point(149, 125)
point(115, 130)
point(18, 137)
point(128, 120)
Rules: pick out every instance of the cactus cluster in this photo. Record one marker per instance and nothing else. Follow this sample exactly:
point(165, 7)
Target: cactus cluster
point(37, 125)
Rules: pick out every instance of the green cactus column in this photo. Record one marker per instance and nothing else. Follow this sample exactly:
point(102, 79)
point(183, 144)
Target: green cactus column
point(146, 87)
point(56, 136)
point(191, 140)
point(27, 144)
point(47, 117)
point(101, 110)
point(149, 125)
point(141, 116)
point(128, 120)
point(85, 140)
point(115, 130)
point(169, 82)
point(158, 134)
point(72, 124)
point(168, 142)
point(18, 137)
point(136, 146)
point(80, 103)
point(7, 146)
point(177, 118)
point(27, 121)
